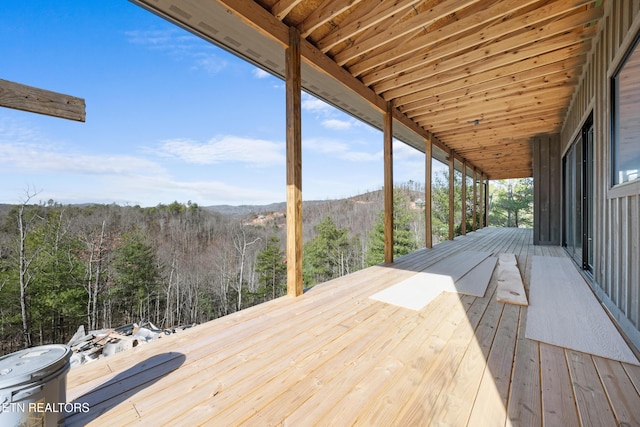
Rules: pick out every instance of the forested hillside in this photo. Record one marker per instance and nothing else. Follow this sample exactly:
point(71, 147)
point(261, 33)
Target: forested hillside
point(103, 266)
point(108, 265)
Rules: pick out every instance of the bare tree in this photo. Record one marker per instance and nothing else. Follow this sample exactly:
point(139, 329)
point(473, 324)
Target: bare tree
point(241, 243)
point(95, 244)
point(25, 260)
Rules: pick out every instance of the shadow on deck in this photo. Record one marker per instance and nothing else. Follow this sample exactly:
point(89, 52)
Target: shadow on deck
point(336, 357)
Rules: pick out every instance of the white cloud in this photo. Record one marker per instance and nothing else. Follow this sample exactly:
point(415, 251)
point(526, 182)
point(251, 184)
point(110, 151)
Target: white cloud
point(12, 130)
point(335, 124)
point(259, 73)
point(256, 152)
point(40, 158)
point(405, 151)
point(150, 190)
point(180, 46)
point(315, 105)
point(339, 149)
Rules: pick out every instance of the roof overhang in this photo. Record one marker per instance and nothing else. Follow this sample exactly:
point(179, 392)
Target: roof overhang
point(492, 108)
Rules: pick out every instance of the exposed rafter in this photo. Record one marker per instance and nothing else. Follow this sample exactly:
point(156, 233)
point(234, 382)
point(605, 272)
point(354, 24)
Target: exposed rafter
point(461, 73)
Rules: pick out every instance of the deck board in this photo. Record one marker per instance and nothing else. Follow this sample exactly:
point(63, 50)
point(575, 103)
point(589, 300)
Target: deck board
point(456, 399)
point(333, 356)
point(525, 407)
point(593, 407)
point(620, 391)
point(510, 286)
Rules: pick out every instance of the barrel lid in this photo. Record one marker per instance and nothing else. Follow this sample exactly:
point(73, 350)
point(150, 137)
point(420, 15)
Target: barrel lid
point(32, 364)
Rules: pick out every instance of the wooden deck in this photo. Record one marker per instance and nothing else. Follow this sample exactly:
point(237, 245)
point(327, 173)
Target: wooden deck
point(335, 357)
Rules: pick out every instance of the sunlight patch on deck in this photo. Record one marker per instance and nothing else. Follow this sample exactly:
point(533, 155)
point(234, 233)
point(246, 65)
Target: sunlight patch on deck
point(468, 272)
point(416, 292)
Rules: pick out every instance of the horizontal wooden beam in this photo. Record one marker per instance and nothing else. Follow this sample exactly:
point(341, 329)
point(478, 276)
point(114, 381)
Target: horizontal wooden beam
point(422, 66)
point(493, 90)
point(34, 100)
point(404, 28)
point(474, 16)
point(484, 60)
point(568, 68)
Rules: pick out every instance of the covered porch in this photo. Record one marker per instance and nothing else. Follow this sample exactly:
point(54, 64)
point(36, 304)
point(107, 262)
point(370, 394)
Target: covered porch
point(334, 356)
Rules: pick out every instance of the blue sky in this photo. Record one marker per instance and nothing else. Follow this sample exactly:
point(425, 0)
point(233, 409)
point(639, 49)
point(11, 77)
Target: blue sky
point(169, 117)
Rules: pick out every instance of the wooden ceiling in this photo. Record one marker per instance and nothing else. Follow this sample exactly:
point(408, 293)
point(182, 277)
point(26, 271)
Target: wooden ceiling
point(481, 76)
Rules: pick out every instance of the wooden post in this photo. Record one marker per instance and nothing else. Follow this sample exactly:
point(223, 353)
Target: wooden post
point(486, 202)
point(428, 227)
point(481, 202)
point(388, 184)
point(294, 164)
point(451, 193)
point(463, 222)
point(474, 222)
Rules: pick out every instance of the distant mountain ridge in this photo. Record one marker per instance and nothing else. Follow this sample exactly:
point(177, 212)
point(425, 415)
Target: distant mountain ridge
point(243, 210)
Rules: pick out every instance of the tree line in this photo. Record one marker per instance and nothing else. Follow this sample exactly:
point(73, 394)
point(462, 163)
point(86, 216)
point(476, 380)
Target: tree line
point(103, 266)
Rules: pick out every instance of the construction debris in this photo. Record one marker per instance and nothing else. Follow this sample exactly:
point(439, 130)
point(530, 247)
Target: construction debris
point(101, 343)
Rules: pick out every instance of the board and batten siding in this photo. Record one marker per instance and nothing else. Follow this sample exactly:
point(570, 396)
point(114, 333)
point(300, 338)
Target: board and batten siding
point(616, 275)
point(547, 173)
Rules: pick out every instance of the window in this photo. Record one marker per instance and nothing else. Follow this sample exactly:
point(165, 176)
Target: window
point(626, 118)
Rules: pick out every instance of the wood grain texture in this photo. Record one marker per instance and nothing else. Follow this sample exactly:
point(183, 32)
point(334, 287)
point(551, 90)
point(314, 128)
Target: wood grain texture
point(294, 165)
point(525, 406)
point(510, 286)
point(333, 356)
point(558, 401)
point(591, 399)
point(475, 282)
point(34, 100)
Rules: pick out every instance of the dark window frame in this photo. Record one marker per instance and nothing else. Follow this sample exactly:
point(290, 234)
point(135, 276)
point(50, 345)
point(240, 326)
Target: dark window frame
point(625, 188)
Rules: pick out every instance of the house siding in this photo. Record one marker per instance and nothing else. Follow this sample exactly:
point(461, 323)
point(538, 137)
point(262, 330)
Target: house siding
point(616, 270)
point(547, 214)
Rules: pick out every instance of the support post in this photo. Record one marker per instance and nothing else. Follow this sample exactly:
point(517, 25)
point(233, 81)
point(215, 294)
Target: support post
point(388, 184)
point(474, 221)
point(486, 202)
point(463, 222)
point(482, 199)
point(451, 193)
point(294, 164)
point(428, 226)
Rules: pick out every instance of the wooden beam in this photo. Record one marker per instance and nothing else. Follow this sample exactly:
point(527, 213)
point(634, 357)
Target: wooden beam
point(486, 203)
point(40, 101)
point(261, 19)
point(537, 88)
point(282, 8)
point(474, 223)
point(324, 13)
point(551, 98)
point(460, 127)
point(548, 75)
point(481, 201)
point(294, 164)
point(474, 62)
point(428, 160)
point(388, 184)
point(453, 81)
point(404, 28)
point(357, 23)
point(479, 16)
point(452, 193)
point(463, 222)
point(414, 68)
